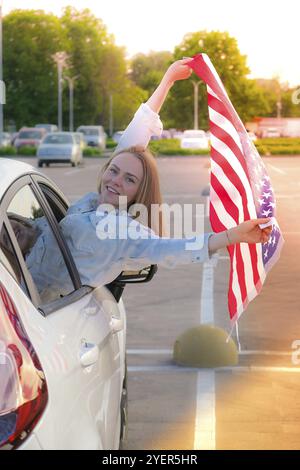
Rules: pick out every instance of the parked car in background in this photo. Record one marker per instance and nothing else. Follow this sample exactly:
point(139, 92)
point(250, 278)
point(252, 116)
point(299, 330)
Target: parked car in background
point(270, 132)
point(61, 361)
point(5, 140)
point(29, 137)
point(117, 136)
point(59, 147)
point(252, 136)
point(194, 139)
point(177, 135)
point(94, 136)
point(14, 135)
point(47, 127)
point(80, 139)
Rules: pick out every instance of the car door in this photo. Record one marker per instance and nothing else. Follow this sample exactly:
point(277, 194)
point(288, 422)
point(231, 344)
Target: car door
point(105, 340)
point(78, 340)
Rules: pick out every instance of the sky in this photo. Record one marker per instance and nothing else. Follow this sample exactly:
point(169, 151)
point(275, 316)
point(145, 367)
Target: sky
point(267, 31)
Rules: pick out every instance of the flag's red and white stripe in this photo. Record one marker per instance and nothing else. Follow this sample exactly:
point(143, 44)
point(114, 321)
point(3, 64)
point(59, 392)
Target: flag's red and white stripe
point(231, 196)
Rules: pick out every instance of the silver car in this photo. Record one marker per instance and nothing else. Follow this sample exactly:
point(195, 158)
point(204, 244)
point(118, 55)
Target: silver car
point(94, 136)
point(59, 147)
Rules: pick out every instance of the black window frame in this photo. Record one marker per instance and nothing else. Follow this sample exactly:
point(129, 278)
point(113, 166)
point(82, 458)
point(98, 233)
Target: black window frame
point(33, 182)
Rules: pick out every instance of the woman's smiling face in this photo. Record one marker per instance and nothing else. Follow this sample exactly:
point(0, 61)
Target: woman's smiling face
point(122, 178)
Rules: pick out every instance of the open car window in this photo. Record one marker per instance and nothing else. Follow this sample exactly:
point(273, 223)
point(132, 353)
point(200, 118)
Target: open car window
point(39, 247)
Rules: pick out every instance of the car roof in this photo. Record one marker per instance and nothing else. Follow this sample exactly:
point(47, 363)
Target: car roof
point(30, 129)
point(89, 127)
point(10, 170)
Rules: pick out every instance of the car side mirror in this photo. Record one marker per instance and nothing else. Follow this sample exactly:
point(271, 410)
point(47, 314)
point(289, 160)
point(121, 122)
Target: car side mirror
point(130, 277)
point(144, 275)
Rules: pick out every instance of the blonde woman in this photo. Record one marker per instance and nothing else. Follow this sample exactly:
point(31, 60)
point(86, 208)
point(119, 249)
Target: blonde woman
point(104, 237)
point(131, 174)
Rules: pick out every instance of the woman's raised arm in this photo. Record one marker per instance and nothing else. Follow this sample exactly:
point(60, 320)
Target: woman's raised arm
point(146, 121)
point(179, 70)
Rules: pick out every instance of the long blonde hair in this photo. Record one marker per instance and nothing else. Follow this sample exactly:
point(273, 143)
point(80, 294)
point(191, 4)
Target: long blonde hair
point(149, 190)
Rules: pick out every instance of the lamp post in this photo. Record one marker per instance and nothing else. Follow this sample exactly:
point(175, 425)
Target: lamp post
point(2, 87)
point(196, 94)
point(60, 58)
point(111, 116)
point(71, 82)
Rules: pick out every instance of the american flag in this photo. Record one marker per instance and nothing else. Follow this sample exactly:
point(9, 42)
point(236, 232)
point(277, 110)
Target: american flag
point(240, 189)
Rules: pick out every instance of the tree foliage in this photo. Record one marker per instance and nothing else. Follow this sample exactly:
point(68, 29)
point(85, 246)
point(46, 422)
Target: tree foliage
point(30, 40)
point(104, 76)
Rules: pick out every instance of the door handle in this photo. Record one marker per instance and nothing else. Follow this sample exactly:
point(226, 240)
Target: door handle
point(89, 354)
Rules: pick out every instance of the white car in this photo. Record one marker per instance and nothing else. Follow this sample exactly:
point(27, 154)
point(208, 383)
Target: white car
point(62, 363)
point(60, 147)
point(194, 139)
point(271, 132)
point(252, 136)
point(94, 136)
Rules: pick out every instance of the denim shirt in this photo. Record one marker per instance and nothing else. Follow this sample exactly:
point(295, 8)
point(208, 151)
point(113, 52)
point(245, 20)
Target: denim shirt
point(100, 259)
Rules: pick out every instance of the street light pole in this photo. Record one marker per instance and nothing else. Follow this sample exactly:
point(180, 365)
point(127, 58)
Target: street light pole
point(71, 82)
point(60, 58)
point(111, 116)
point(196, 95)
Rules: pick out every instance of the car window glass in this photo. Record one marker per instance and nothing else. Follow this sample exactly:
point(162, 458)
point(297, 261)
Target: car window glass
point(58, 139)
point(9, 259)
point(39, 247)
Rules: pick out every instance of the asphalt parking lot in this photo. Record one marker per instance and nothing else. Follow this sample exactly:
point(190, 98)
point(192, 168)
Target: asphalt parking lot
point(255, 405)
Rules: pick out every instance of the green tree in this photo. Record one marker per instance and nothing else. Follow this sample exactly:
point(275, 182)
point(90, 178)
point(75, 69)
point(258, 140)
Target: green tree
point(30, 38)
point(147, 70)
point(232, 67)
point(102, 70)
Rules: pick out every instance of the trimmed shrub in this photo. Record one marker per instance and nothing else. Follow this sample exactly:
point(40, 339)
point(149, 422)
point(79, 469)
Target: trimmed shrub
point(172, 147)
point(111, 144)
point(92, 152)
point(27, 151)
point(278, 146)
point(7, 151)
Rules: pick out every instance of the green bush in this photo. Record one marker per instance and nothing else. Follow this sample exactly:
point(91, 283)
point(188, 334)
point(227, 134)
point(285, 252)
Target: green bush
point(92, 152)
point(111, 144)
point(27, 151)
point(172, 147)
point(278, 146)
point(7, 151)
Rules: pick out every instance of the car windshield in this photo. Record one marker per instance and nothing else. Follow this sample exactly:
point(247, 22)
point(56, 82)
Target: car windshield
point(30, 135)
point(57, 139)
point(194, 134)
point(90, 131)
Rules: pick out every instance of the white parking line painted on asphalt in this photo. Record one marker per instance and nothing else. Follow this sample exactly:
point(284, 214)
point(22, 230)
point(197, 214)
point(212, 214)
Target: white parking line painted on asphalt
point(175, 368)
point(277, 170)
point(134, 352)
point(205, 426)
point(168, 352)
point(265, 353)
point(207, 299)
point(205, 419)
